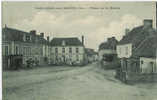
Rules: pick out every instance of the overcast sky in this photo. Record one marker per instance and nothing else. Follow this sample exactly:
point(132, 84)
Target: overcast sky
point(95, 24)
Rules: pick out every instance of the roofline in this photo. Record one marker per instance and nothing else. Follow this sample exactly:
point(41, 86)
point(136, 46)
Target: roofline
point(124, 44)
point(15, 29)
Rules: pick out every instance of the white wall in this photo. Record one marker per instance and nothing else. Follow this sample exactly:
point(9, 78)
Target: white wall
point(68, 55)
point(146, 66)
point(124, 51)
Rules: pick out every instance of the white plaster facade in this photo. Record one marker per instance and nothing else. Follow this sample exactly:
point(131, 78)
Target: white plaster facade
point(64, 54)
point(148, 65)
point(124, 51)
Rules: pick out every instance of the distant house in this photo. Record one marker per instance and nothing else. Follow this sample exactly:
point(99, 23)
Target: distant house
point(133, 52)
point(67, 51)
point(91, 55)
point(23, 46)
point(107, 48)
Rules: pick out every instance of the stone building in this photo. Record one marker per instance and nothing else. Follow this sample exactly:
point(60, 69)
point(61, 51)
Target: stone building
point(67, 51)
point(134, 52)
point(23, 45)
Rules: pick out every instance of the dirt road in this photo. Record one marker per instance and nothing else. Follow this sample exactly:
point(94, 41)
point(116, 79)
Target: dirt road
point(72, 83)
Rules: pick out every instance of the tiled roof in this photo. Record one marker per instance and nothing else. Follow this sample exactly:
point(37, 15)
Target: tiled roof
point(90, 51)
point(74, 41)
point(110, 44)
point(147, 48)
point(136, 35)
point(11, 34)
point(104, 45)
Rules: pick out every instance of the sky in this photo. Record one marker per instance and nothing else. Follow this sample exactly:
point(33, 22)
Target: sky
point(97, 21)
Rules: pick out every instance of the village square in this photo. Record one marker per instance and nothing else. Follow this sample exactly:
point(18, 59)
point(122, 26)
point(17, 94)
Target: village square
point(41, 66)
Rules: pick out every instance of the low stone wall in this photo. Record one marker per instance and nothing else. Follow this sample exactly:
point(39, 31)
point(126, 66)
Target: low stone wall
point(137, 77)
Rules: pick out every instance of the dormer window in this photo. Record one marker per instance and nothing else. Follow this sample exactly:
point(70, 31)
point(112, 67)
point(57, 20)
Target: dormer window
point(28, 38)
point(63, 43)
point(3, 36)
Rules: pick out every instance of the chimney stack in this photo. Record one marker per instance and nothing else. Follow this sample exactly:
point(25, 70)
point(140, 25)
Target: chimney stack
point(33, 32)
point(147, 23)
point(42, 35)
point(82, 40)
point(109, 39)
point(48, 38)
point(5, 25)
point(127, 31)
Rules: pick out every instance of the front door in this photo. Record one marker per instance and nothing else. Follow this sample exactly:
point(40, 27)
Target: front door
point(64, 58)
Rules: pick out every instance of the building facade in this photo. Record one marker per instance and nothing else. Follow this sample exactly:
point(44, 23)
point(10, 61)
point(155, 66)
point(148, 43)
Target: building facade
point(26, 45)
point(107, 48)
point(91, 55)
point(67, 51)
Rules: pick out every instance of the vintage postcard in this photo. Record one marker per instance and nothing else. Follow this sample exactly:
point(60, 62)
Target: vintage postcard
point(79, 50)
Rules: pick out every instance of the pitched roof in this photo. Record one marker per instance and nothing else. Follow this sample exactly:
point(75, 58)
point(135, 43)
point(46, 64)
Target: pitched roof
point(74, 41)
point(90, 51)
point(147, 48)
point(11, 34)
point(104, 45)
point(136, 35)
point(110, 44)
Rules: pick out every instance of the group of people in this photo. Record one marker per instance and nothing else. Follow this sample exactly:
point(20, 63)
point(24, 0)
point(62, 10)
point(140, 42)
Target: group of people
point(67, 61)
point(30, 62)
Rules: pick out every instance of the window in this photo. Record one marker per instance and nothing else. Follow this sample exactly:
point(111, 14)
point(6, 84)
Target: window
point(41, 51)
point(152, 66)
point(70, 50)
point(77, 57)
point(29, 50)
point(126, 51)
point(56, 50)
point(119, 50)
point(63, 43)
point(77, 50)
point(141, 62)
point(24, 50)
point(26, 53)
point(16, 50)
point(63, 50)
point(6, 50)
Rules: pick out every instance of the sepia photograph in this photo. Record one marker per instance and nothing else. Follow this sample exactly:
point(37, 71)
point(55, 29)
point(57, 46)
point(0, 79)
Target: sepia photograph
point(75, 50)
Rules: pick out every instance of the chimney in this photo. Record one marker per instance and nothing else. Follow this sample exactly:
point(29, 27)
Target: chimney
point(147, 23)
point(127, 31)
point(48, 38)
point(113, 38)
point(33, 32)
point(5, 25)
point(42, 35)
point(109, 39)
point(82, 40)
